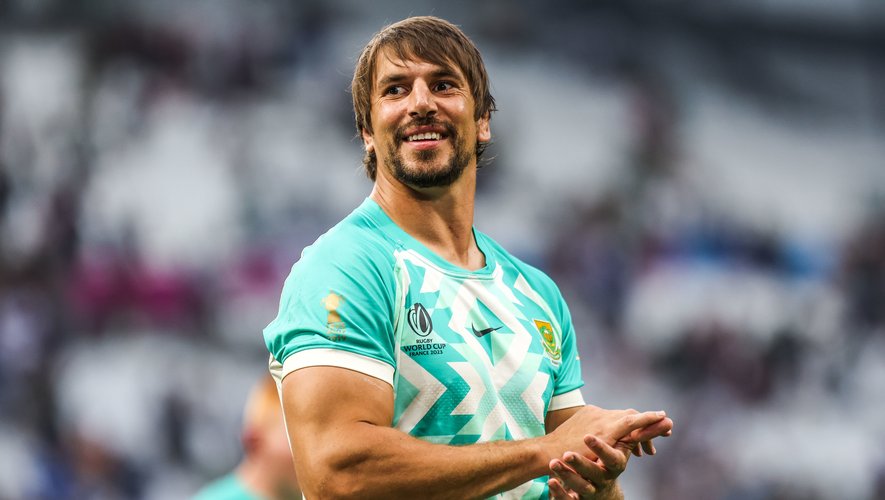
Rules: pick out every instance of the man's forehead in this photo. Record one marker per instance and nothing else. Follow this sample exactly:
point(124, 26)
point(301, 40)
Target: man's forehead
point(389, 61)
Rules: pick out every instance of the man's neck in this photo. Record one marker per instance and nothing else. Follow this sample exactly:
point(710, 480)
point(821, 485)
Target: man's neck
point(250, 476)
point(440, 218)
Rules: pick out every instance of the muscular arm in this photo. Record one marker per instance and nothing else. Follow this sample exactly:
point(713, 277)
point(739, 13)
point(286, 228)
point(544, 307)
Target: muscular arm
point(339, 425)
point(343, 446)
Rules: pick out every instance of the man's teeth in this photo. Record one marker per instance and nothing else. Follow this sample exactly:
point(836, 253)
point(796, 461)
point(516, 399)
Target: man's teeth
point(433, 136)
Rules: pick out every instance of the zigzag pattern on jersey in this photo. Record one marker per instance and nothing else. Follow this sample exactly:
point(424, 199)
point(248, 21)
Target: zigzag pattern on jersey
point(498, 389)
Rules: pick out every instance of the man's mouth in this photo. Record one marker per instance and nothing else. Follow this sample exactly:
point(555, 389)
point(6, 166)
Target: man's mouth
point(425, 133)
point(427, 136)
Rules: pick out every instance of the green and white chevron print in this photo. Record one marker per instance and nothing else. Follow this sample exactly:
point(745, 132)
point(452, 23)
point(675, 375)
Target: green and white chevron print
point(472, 356)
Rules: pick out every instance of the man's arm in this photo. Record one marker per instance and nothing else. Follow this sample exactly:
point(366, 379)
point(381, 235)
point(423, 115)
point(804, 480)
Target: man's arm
point(556, 418)
point(339, 420)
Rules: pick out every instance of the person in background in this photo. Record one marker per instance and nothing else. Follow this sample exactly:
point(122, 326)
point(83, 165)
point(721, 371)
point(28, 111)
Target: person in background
point(266, 471)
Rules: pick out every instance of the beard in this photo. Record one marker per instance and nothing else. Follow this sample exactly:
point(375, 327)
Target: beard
point(421, 174)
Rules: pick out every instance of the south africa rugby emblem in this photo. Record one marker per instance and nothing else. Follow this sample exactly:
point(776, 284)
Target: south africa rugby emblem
point(548, 339)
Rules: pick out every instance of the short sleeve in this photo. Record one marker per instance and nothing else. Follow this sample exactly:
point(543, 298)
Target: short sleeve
point(336, 309)
point(568, 382)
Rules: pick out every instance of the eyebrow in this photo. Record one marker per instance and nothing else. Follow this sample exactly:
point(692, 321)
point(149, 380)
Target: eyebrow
point(399, 77)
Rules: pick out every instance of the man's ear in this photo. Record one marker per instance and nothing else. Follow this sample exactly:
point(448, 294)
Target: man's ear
point(250, 439)
point(483, 129)
point(368, 140)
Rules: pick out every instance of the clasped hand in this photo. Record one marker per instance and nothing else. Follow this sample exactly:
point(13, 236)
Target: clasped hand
point(590, 471)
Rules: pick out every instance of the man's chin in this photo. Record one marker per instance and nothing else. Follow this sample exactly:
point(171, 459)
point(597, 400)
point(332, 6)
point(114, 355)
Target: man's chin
point(428, 177)
point(420, 158)
point(426, 167)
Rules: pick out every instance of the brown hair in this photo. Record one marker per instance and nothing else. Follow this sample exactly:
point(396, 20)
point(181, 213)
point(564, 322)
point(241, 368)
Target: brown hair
point(430, 39)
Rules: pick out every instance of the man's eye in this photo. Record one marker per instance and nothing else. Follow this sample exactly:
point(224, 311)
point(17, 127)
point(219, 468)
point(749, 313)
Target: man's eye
point(395, 90)
point(443, 86)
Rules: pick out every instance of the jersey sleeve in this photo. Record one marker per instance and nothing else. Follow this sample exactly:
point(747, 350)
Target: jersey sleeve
point(568, 382)
point(336, 309)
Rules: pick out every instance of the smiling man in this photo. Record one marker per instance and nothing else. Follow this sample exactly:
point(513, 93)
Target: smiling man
point(415, 356)
point(438, 150)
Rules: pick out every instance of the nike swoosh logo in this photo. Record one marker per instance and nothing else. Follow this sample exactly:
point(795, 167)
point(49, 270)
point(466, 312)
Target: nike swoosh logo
point(480, 333)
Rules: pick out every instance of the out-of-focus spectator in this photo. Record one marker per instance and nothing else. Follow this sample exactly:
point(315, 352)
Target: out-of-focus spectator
point(266, 470)
point(864, 276)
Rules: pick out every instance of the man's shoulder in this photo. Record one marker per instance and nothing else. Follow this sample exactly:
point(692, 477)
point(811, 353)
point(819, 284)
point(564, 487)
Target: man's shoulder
point(227, 487)
point(358, 239)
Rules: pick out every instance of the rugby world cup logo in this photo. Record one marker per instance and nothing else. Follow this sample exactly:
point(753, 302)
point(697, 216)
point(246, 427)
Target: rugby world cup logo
point(419, 320)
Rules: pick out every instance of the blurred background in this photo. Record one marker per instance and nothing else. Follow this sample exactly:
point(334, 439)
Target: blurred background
point(705, 181)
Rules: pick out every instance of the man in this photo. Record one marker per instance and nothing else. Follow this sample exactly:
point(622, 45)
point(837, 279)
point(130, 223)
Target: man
point(416, 357)
point(266, 471)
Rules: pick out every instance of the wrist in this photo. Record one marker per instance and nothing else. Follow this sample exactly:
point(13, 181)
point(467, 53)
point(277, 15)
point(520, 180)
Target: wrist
point(545, 449)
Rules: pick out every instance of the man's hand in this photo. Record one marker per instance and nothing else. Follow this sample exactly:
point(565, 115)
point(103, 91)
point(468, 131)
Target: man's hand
point(593, 475)
point(579, 477)
point(609, 425)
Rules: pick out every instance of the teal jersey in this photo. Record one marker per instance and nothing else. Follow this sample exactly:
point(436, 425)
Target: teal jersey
point(227, 487)
point(472, 356)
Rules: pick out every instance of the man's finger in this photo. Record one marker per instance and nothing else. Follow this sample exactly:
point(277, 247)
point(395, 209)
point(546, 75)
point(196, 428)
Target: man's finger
point(629, 423)
point(588, 469)
point(571, 480)
point(661, 428)
point(615, 461)
point(648, 447)
point(557, 490)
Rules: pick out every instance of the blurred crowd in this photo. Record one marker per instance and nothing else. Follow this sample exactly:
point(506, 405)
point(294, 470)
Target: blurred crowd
point(709, 196)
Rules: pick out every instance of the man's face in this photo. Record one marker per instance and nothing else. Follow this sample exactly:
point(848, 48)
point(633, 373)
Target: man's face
point(276, 456)
point(424, 133)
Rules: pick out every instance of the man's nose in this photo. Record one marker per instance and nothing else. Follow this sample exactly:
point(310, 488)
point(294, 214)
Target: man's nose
point(421, 101)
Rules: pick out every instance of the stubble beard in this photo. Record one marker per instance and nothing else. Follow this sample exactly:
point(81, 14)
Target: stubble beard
point(423, 175)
